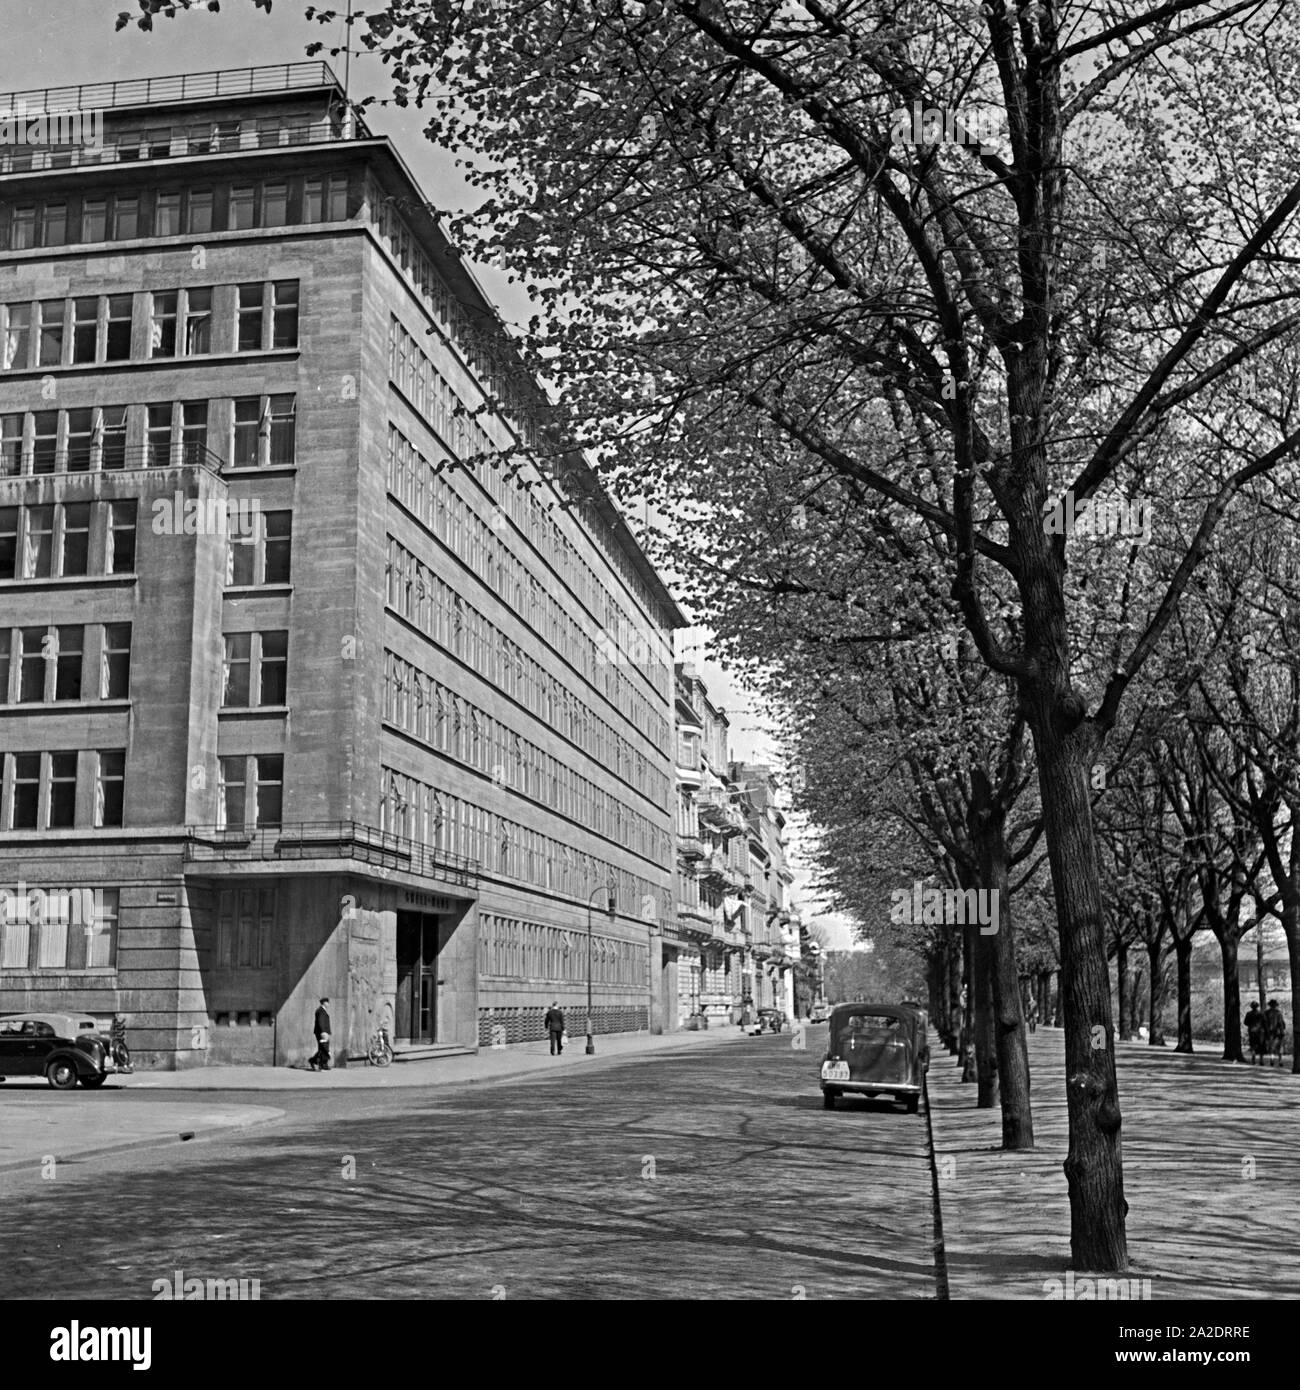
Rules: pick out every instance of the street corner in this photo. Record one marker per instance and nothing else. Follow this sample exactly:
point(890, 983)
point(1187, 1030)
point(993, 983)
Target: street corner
point(37, 1137)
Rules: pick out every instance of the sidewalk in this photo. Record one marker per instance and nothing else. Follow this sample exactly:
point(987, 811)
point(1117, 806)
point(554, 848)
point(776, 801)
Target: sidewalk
point(1211, 1174)
point(489, 1064)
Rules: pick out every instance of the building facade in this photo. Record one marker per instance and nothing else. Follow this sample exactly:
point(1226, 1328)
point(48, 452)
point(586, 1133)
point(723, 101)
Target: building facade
point(321, 672)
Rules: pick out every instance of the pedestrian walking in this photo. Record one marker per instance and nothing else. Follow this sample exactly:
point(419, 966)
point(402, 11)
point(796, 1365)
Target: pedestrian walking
point(1031, 1014)
point(1256, 1032)
point(321, 1027)
point(1274, 1030)
point(555, 1028)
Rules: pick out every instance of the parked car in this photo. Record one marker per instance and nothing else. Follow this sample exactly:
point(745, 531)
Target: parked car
point(62, 1048)
point(820, 1013)
point(875, 1050)
point(767, 1021)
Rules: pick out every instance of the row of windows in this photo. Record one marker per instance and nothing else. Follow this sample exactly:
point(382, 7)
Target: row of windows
point(420, 596)
point(40, 790)
point(511, 948)
point(260, 431)
point(255, 669)
point(496, 362)
point(416, 811)
point(432, 497)
point(444, 720)
point(422, 383)
point(60, 939)
point(39, 665)
point(193, 321)
point(56, 540)
point(60, 220)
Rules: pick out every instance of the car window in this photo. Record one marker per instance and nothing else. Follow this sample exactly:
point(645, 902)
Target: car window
point(871, 1023)
point(42, 1030)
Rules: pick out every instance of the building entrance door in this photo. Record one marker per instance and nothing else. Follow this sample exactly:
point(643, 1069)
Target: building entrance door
point(416, 1013)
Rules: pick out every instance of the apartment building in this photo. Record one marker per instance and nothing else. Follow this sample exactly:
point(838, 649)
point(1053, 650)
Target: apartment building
point(322, 672)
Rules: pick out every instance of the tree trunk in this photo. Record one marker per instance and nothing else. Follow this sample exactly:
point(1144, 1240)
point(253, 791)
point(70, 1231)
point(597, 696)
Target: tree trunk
point(1157, 989)
point(1045, 1014)
point(1135, 1003)
point(986, 1054)
point(954, 957)
point(1291, 928)
point(1183, 955)
point(988, 825)
point(1093, 1168)
point(967, 1043)
point(1121, 983)
point(1231, 999)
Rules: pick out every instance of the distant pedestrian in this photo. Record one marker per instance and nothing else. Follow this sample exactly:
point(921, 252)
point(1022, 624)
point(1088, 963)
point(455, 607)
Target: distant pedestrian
point(1256, 1033)
point(1031, 1014)
point(555, 1028)
point(321, 1027)
point(1274, 1031)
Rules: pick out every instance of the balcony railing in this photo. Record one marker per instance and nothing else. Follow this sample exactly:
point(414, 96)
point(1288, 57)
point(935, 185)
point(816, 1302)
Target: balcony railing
point(302, 840)
point(691, 847)
point(717, 812)
point(187, 86)
point(108, 456)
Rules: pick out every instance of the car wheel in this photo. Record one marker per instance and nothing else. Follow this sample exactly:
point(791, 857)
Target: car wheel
point(62, 1075)
point(91, 1083)
point(913, 1104)
point(828, 1100)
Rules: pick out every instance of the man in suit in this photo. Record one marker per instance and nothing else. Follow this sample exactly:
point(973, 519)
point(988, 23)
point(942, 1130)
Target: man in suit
point(555, 1028)
point(321, 1028)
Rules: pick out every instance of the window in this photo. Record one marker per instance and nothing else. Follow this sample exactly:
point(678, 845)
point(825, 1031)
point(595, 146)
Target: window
point(117, 338)
point(94, 219)
point(225, 135)
point(162, 327)
point(110, 783)
point(8, 542)
point(237, 667)
point(198, 322)
point(278, 529)
point(51, 333)
point(63, 791)
point(54, 224)
point(275, 204)
point(230, 797)
point(11, 450)
point(80, 437)
point(194, 430)
point(158, 436)
point(38, 543)
point(112, 436)
point(67, 663)
point(101, 944)
point(120, 558)
point(74, 546)
point(282, 422)
point(167, 214)
point(115, 665)
point(27, 791)
point(245, 935)
point(85, 329)
point(31, 664)
point(263, 557)
point(199, 210)
point(325, 199)
point(250, 318)
point(284, 313)
point(22, 229)
point(126, 217)
point(18, 337)
point(241, 209)
point(6, 665)
point(270, 788)
point(244, 451)
point(45, 440)
point(274, 667)
point(241, 559)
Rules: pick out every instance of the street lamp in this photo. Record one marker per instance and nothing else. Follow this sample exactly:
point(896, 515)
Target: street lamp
point(611, 908)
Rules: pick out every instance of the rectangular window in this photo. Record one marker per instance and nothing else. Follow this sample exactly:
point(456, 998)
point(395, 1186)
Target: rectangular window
point(51, 334)
point(117, 338)
point(112, 436)
point(241, 209)
point(198, 322)
point(278, 530)
point(95, 947)
point(63, 791)
point(284, 313)
point(167, 214)
point(110, 784)
point(126, 217)
point(115, 665)
point(238, 666)
point(54, 224)
point(80, 438)
point(45, 441)
point(198, 210)
point(250, 318)
point(74, 540)
point(85, 329)
point(162, 325)
point(32, 661)
point(5, 665)
point(241, 559)
point(158, 436)
point(194, 431)
point(18, 337)
point(270, 788)
point(11, 451)
point(225, 135)
point(282, 421)
point(27, 791)
point(38, 543)
point(275, 204)
point(22, 229)
point(94, 219)
point(243, 453)
point(230, 798)
point(67, 662)
point(120, 558)
point(8, 542)
point(273, 668)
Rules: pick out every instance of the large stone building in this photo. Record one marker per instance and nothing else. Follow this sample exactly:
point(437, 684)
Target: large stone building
point(310, 674)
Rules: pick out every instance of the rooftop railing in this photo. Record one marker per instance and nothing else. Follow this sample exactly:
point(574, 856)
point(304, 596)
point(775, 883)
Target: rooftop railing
point(155, 91)
point(345, 839)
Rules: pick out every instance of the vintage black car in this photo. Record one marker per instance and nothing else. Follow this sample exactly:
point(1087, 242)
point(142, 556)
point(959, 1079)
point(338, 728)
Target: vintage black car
point(875, 1050)
point(767, 1021)
point(62, 1048)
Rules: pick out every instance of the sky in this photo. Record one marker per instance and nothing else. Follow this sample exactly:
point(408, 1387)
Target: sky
point(57, 43)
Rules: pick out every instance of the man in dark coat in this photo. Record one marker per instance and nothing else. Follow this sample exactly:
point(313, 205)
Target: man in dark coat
point(555, 1028)
point(321, 1028)
point(1274, 1030)
point(1254, 1024)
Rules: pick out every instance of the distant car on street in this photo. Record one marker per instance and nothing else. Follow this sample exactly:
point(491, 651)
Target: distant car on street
point(767, 1021)
point(820, 1013)
point(875, 1050)
point(63, 1048)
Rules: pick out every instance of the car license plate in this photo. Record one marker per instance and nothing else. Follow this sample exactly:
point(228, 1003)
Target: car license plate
point(835, 1071)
